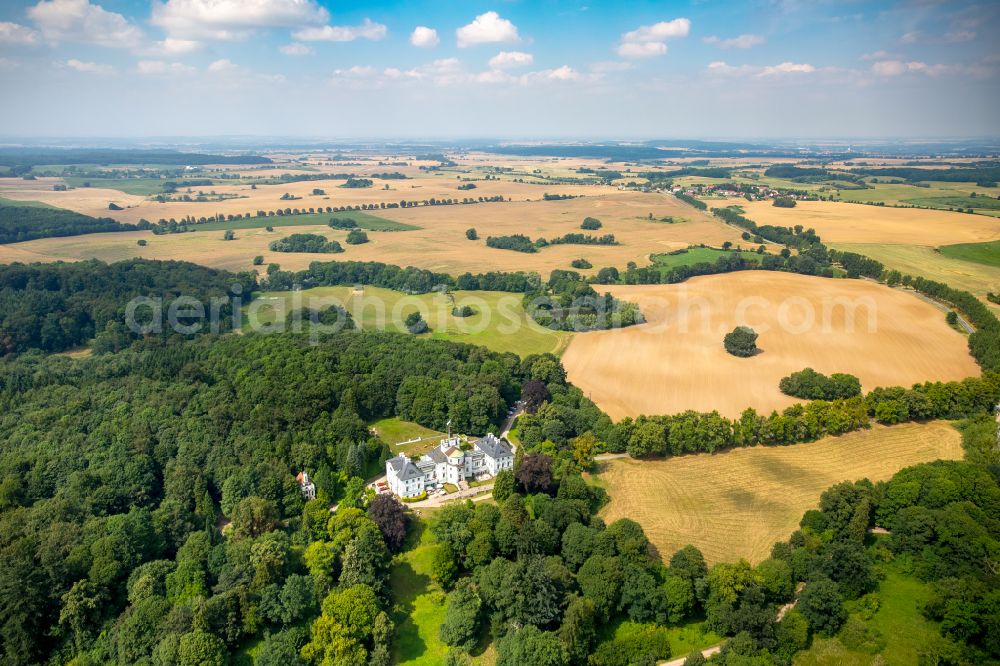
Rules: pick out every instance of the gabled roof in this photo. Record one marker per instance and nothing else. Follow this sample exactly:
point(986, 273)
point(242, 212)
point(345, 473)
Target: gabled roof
point(494, 447)
point(436, 455)
point(404, 469)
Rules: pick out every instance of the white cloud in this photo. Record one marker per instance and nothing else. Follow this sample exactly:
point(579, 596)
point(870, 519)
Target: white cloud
point(679, 27)
point(641, 50)
point(296, 49)
point(788, 68)
point(650, 40)
point(90, 67)
point(8, 64)
point(898, 67)
point(13, 33)
point(80, 21)
point(508, 59)
point(172, 46)
point(564, 73)
point(746, 41)
point(156, 67)
point(723, 68)
point(485, 29)
point(343, 33)
point(424, 37)
point(234, 19)
point(356, 72)
point(222, 66)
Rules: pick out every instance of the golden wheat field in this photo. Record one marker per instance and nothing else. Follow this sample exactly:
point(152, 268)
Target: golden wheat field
point(676, 361)
point(739, 503)
point(838, 222)
point(439, 244)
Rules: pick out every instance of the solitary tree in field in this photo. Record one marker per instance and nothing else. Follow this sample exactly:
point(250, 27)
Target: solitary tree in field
point(229, 234)
point(471, 234)
point(741, 341)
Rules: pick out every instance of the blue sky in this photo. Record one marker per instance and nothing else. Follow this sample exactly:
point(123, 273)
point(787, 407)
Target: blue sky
point(550, 68)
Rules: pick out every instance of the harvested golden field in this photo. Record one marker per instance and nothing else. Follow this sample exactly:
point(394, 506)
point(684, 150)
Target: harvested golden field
point(676, 361)
point(440, 243)
point(739, 503)
point(838, 222)
point(249, 199)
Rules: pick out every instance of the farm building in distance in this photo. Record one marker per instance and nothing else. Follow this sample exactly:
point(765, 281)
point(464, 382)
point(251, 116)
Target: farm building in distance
point(448, 463)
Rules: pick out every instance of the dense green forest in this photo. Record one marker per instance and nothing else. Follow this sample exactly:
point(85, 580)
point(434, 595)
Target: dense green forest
point(54, 307)
point(39, 156)
point(117, 469)
point(24, 223)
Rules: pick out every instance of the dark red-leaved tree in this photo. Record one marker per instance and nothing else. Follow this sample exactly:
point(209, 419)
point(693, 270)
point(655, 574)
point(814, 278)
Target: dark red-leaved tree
point(390, 516)
point(535, 473)
point(534, 393)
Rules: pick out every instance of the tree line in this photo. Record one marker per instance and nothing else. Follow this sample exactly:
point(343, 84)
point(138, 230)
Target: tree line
point(24, 223)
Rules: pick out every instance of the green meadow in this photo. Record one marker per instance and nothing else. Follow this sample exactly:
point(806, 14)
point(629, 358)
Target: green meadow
point(499, 323)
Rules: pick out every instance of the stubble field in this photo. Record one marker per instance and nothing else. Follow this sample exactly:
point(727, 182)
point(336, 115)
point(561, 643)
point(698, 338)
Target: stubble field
point(676, 361)
point(838, 222)
point(739, 503)
point(439, 244)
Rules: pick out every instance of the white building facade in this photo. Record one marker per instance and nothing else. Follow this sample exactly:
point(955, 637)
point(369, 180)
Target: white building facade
point(448, 463)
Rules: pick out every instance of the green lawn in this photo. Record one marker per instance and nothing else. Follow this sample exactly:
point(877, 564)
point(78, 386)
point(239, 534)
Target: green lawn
point(139, 186)
point(898, 619)
point(697, 255)
point(363, 220)
point(684, 638)
point(394, 430)
point(24, 204)
point(500, 322)
point(976, 277)
point(980, 253)
point(987, 203)
point(421, 604)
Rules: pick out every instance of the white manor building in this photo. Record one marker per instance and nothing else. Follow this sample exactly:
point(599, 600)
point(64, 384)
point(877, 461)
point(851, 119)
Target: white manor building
point(448, 463)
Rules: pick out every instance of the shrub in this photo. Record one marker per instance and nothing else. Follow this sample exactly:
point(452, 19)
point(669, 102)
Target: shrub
point(356, 237)
point(784, 202)
point(416, 498)
point(114, 206)
point(471, 234)
point(229, 235)
point(741, 341)
point(811, 385)
point(258, 260)
point(141, 242)
point(415, 323)
point(591, 224)
point(463, 311)
point(581, 263)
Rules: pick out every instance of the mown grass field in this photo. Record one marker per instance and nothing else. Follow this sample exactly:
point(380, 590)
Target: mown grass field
point(898, 619)
point(942, 266)
point(697, 255)
point(500, 322)
point(26, 204)
point(987, 254)
point(140, 186)
point(740, 502)
point(393, 431)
